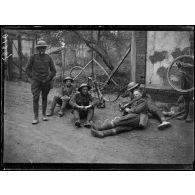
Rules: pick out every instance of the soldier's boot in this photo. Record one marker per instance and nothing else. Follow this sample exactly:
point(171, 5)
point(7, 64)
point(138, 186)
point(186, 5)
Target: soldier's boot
point(185, 114)
point(61, 112)
point(36, 111)
point(164, 124)
point(77, 118)
point(105, 126)
point(89, 118)
point(190, 116)
point(102, 134)
point(110, 132)
point(53, 105)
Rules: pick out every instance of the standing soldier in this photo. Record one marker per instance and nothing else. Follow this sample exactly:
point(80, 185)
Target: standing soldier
point(187, 81)
point(62, 97)
point(41, 70)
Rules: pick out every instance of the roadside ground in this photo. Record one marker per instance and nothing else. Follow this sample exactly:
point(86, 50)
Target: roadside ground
point(58, 141)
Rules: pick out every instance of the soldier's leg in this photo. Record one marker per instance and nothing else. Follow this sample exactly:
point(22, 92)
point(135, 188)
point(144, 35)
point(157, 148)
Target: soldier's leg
point(36, 90)
point(190, 116)
point(116, 130)
point(56, 100)
point(152, 108)
point(186, 107)
point(45, 88)
point(90, 115)
point(63, 106)
point(104, 126)
point(77, 118)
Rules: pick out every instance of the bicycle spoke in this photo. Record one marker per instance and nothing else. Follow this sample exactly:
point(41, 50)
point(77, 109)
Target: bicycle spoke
point(180, 74)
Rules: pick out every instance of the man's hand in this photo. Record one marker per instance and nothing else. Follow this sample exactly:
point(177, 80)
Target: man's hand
point(66, 98)
point(59, 95)
point(46, 80)
point(81, 107)
point(128, 110)
point(88, 107)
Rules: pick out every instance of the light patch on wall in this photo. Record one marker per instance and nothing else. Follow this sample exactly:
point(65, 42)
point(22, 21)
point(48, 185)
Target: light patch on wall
point(162, 47)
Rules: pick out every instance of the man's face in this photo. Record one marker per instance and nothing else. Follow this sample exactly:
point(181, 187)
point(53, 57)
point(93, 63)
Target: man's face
point(41, 50)
point(137, 94)
point(68, 83)
point(84, 90)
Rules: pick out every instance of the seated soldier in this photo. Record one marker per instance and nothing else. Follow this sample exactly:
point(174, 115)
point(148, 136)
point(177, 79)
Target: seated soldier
point(136, 118)
point(62, 97)
point(83, 106)
point(152, 108)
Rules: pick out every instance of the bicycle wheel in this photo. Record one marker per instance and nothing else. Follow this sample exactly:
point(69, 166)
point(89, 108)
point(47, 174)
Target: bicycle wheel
point(109, 93)
point(180, 74)
point(78, 74)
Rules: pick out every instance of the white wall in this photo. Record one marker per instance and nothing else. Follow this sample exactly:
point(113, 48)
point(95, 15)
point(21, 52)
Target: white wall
point(162, 48)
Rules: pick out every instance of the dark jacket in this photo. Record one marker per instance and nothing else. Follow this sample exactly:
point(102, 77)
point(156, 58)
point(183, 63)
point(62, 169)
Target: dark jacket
point(138, 106)
point(81, 100)
point(66, 91)
point(41, 68)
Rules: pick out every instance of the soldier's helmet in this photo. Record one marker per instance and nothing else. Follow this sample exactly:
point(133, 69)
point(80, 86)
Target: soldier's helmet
point(41, 44)
point(132, 86)
point(84, 85)
point(68, 78)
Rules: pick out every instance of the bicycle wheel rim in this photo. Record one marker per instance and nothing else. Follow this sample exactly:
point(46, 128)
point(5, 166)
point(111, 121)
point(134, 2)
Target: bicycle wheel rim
point(172, 79)
point(110, 96)
point(78, 74)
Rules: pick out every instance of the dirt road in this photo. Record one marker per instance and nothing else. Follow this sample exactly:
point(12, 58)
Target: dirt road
point(58, 141)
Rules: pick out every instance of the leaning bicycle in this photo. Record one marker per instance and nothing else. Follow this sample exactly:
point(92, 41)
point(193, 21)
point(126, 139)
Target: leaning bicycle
point(180, 74)
point(103, 92)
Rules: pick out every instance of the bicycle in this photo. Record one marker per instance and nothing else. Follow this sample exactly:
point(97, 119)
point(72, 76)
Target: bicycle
point(181, 71)
point(98, 87)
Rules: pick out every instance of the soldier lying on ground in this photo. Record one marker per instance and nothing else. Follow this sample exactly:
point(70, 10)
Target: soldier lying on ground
point(41, 70)
point(62, 97)
point(136, 118)
point(83, 105)
point(152, 108)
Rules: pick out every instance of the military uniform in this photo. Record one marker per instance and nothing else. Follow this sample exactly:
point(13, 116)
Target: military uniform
point(187, 81)
point(41, 70)
point(136, 119)
point(153, 110)
point(64, 92)
point(79, 99)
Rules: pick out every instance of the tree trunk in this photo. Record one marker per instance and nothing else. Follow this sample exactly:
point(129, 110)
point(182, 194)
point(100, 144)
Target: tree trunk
point(104, 58)
point(20, 56)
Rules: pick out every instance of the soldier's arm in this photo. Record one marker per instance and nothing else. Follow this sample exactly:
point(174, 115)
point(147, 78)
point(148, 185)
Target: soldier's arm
point(52, 69)
point(92, 101)
point(29, 67)
point(141, 107)
point(73, 101)
point(59, 92)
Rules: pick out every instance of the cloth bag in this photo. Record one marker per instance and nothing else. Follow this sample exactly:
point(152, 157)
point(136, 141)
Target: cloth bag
point(143, 120)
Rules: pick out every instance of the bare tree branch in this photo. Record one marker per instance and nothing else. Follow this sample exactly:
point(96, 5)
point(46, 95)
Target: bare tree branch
point(105, 59)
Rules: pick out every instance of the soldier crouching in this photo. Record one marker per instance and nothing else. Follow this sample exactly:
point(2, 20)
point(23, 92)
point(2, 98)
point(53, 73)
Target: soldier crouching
point(62, 97)
point(83, 106)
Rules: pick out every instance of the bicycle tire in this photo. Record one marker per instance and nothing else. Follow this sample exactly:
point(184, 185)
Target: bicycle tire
point(169, 70)
point(110, 96)
point(76, 71)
